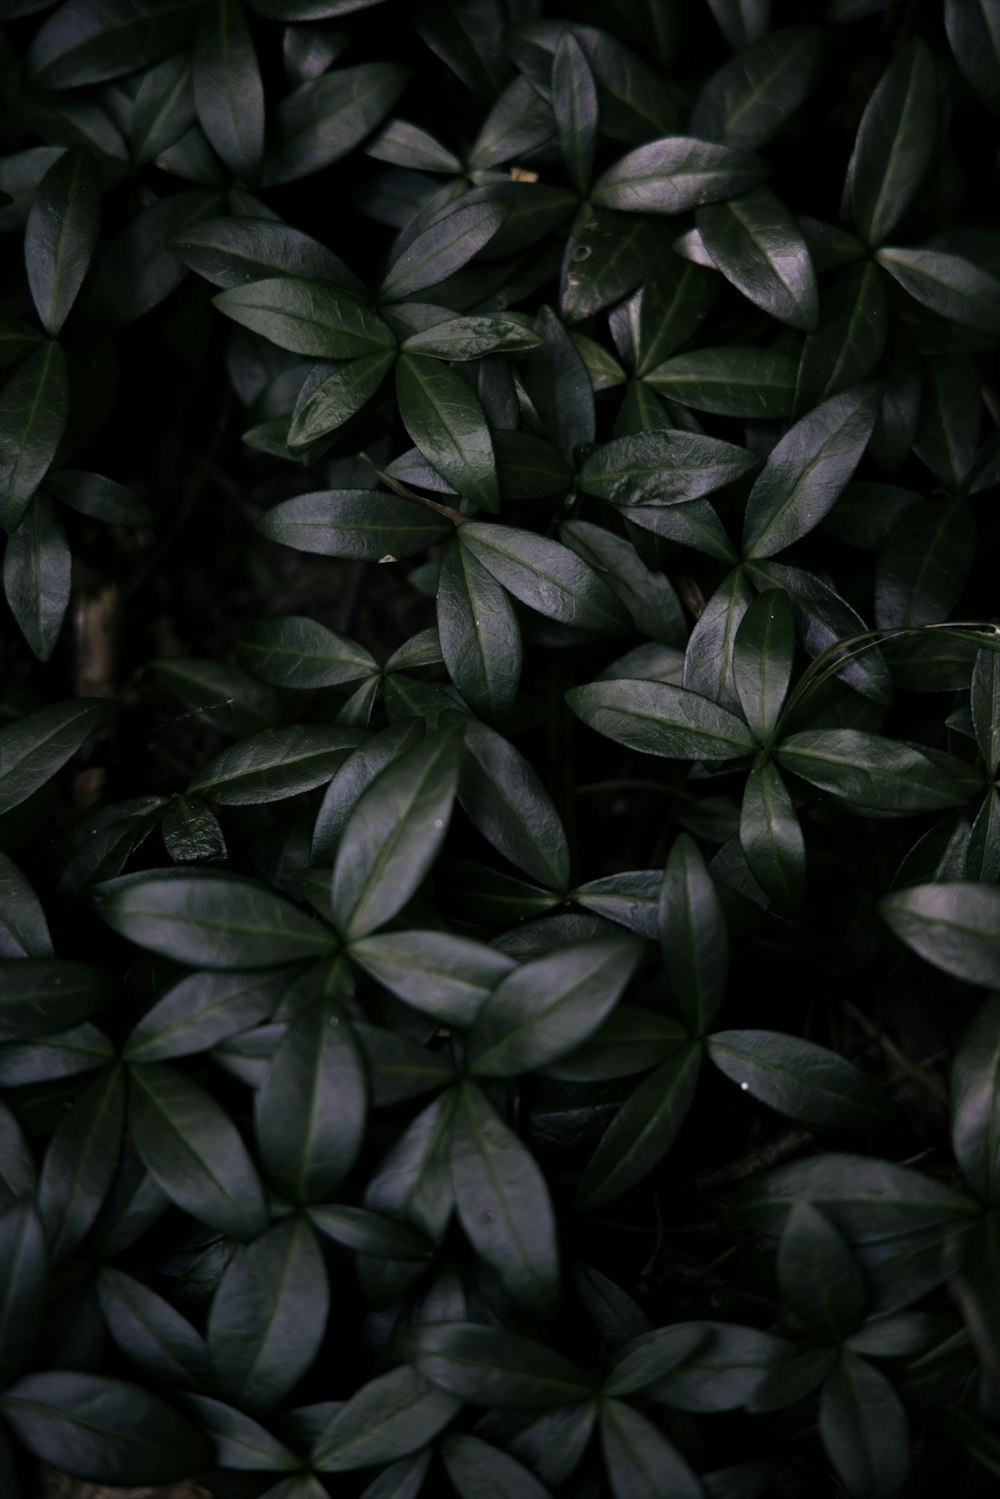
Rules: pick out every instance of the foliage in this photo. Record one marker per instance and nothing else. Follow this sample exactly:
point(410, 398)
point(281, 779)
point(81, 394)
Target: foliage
point(500, 874)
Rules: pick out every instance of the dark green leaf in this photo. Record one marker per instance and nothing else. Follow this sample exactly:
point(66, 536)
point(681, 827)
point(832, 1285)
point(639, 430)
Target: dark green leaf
point(371, 1233)
point(407, 145)
point(771, 837)
point(310, 1108)
point(191, 832)
point(393, 835)
point(339, 397)
point(275, 764)
point(36, 575)
point(43, 995)
point(17, 340)
point(444, 976)
point(949, 285)
point(800, 1079)
point(676, 296)
point(23, 929)
point(693, 935)
point(449, 426)
point(559, 387)
point(354, 523)
point(722, 1373)
point(164, 108)
point(709, 658)
point(192, 1148)
point(954, 926)
point(385, 1419)
point(629, 1041)
point(502, 794)
point(985, 703)
point(662, 468)
point(326, 117)
point(479, 632)
point(268, 1316)
point(137, 272)
point(306, 317)
point(806, 471)
point(894, 144)
point(640, 1462)
point(974, 34)
point(240, 1442)
point(863, 1426)
point(61, 235)
point(850, 338)
point(228, 92)
point(730, 381)
point(33, 410)
point(546, 1007)
point(414, 1179)
point(795, 1378)
point(212, 920)
point(643, 1130)
point(102, 1429)
point(659, 719)
point(544, 575)
point(753, 95)
point(821, 1282)
point(441, 249)
point(100, 498)
point(675, 175)
point(17, 1167)
point(763, 654)
point(477, 1469)
point(23, 1276)
point(355, 776)
point(574, 102)
point(630, 899)
point(606, 256)
point(647, 1357)
point(231, 252)
point(463, 338)
point(867, 770)
point(503, 1202)
point(490, 1366)
point(923, 566)
point(87, 41)
point(399, 1068)
point(950, 410)
point(201, 1010)
point(81, 1160)
point(149, 1331)
point(758, 246)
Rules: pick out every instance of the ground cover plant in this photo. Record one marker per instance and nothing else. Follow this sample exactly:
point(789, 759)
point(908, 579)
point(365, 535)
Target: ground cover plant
point(499, 728)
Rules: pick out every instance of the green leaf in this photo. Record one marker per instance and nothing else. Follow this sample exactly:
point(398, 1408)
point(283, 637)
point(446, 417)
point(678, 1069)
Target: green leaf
point(414, 1179)
point(793, 1379)
point(305, 317)
point(924, 564)
point(574, 103)
point(355, 776)
point(606, 256)
point(446, 245)
point(192, 1149)
point(724, 1370)
point(463, 338)
point(503, 1202)
point(191, 832)
point(763, 654)
point(973, 1261)
point(17, 340)
point(544, 575)
point(675, 175)
point(807, 470)
point(61, 235)
point(758, 246)
point(33, 748)
point(895, 142)
point(393, 835)
point(399, 1068)
point(800, 1079)
point(640, 1462)
point(240, 1442)
point(629, 1041)
point(228, 92)
point(648, 596)
point(442, 975)
point(23, 1277)
point(676, 296)
point(771, 837)
point(866, 770)
point(268, 1316)
point(407, 145)
point(657, 718)
point(863, 1425)
point(666, 467)
point(326, 117)
point(33, 410)
point(750, 98)
point(449, 426)
point(164, 110)
point(294, 651)
point(102, 499)
point(820, 1280)
point(385, 1419)
point(232, 251)
point(710, 653)
point(949, 285)
point(339, 397)
point(643, 1130)
point(148, 1330)
point(560, 388)
point(202, 1010)
point(974, 34)
point(950, 409)
point(24, 932)
point(476, 1468)
point(36, 575)
point(645, 1358)
point(985, 704)
point(546, 1007)
point(850, 338)
point(44, 995)
point(310, 1108)
point(86, 42)
point(354, 523)
point(275, 764)
point(955, 926)
point(693, 935)
point(81, 1161)
point(102, 1429)
point(492, 1367)
point(502, 794)
point(213, 920)
point(730, 381)
point(137, 272)
point(479, 632)
point(371, 1233)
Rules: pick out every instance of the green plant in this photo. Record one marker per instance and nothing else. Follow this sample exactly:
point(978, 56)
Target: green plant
point(500, 553)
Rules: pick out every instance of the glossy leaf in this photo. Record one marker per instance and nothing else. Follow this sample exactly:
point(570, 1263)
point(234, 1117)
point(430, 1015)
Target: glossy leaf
point(955, 926)
point(310, 1108)
point(676, 296)
point(731, 381)
point(923, 566)
point(239, 1441)
point(662, 468)
point(643, 1359)
point(445, 976)
point(275, 764)
point(480, 634)
point(86, 43)
point(643, 1130)
point(193, 1150)
point(800, 1079)
point(305, 317)
point(61, 236)
point(150, 1332)
point(43, 995)
point(763, 653)
point(493, 1367)
point(232, 251)
point(985, 704)
point(639, 1459)
point(659, 719)
point(81, 1161)
point(23, 1277)
point(863, 1425)
point(849, 340)
point(354, 523)
point(387, 1418)
point(503, 1202)
point(442, 248)
point(504, 797)
point(974, 34)
point(33, 408)
point(757, 245)
point(868, 770)
point(821, 1282)
point(228, 92)
point(675, 175)
point(709, 660)
point(949, 285)
point(894, 144)
point(723, 1371)
point(753, 95)
point(607, 255)
point(449, 426)
point(575, 105)
point(476, 1468)
point(771, 837)
point(693, 935)
point(544, 575)
point(355, 776)
point(326, 117)
point(36, 575)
